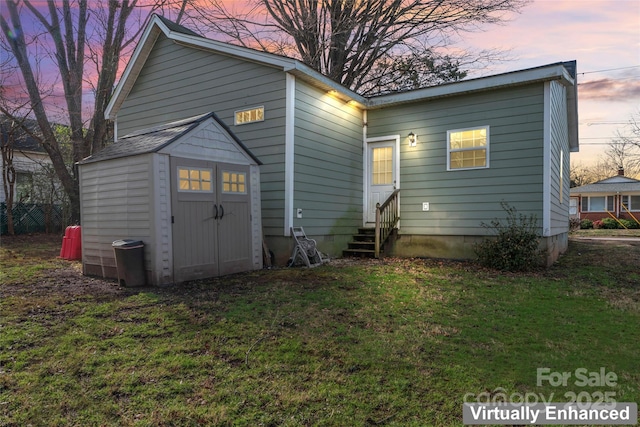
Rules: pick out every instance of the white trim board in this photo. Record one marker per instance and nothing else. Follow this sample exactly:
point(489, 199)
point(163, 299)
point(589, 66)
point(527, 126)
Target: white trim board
point(289, 159)
point(546, 165)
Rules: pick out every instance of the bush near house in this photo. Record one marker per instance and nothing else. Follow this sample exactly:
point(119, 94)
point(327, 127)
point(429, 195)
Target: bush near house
point(632, 225)
point(609, 224)
point(586, 224)
point(574, 224)
point(517, 243)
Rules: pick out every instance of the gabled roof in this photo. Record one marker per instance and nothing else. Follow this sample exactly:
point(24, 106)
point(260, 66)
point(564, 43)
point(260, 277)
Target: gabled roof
point(22, 141)
point(613, 185)
point(564, 72)
point(153, 139)
point(181, 35)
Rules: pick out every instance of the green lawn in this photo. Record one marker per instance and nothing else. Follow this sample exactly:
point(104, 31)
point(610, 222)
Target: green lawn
point(398, 342)
point(606, 233)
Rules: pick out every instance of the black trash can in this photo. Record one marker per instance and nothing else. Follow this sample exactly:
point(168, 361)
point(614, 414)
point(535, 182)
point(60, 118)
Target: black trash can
point(130, 262)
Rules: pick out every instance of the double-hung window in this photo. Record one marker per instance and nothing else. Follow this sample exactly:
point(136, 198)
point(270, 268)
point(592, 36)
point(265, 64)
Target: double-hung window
point(632, 203)
point(468, 148)
point(597, 204)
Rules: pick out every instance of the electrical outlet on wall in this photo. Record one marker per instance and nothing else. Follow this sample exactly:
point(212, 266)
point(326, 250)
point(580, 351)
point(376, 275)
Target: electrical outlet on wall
point(425, 206)
point(298, 213)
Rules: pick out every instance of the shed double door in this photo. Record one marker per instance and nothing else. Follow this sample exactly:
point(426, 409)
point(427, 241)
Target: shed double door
point(211, 219)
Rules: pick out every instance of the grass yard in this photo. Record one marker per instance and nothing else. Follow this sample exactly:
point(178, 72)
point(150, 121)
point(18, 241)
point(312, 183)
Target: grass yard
point(397, 342)
point(606, 233)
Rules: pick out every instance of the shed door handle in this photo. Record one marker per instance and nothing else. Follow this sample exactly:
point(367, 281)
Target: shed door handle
point(216, 207)
point(222, 211)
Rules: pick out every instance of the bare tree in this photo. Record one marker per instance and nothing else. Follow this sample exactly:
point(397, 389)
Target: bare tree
point(77, 34)
point(352, 41)
point(8, 131)
point(580, 175)
point(623, 154)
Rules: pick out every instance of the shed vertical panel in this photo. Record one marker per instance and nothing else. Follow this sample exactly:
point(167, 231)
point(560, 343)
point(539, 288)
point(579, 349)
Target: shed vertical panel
point(163, 274)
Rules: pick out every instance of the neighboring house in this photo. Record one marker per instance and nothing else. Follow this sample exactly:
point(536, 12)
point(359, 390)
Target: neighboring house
point(29, 158)
point(615, 197)
point(329, 155)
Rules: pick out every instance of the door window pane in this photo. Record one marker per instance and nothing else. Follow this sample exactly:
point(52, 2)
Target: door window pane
point(382, 166)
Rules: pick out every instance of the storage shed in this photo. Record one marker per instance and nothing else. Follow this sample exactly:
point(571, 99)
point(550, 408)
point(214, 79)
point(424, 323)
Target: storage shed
point(189, 190)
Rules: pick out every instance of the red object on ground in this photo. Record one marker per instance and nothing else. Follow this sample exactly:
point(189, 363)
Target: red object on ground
point(71, 243)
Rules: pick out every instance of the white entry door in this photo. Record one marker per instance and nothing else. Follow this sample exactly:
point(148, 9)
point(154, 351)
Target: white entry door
point(382, 174)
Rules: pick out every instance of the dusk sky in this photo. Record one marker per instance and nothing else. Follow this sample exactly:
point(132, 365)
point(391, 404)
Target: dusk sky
point(602, 35)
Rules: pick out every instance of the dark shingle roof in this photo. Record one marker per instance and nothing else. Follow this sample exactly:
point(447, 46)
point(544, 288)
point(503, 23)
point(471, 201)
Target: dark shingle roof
point(22, 141)
point(153, 139)
point(614, 184)
point(177, 27)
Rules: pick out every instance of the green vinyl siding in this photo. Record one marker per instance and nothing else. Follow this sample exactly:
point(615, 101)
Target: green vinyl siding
point(178, 82)
point(559, 142)
point(328, 163)
point(460, 200)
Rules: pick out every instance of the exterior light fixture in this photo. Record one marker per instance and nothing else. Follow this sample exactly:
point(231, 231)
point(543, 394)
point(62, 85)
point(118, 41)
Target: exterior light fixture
point(413, 139)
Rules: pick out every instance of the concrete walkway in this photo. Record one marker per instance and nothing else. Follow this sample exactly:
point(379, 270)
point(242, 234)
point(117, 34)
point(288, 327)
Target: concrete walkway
point(607, 238)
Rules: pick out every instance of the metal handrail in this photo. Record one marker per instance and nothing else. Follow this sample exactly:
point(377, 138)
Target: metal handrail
point(387, 217)
point(629, 212)
point(616, 219)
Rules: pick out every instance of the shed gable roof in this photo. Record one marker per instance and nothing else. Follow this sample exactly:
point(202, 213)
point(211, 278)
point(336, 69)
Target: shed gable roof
point(154, 139)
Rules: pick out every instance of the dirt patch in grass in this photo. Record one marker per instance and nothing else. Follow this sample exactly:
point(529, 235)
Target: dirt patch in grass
point(54, 277)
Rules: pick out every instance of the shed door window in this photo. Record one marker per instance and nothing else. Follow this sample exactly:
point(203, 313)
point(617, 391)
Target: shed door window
point(468, 148)
point(234, 182)
point(195, 180)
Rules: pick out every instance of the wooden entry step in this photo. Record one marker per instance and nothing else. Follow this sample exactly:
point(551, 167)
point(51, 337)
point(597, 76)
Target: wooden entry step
point(363, 244)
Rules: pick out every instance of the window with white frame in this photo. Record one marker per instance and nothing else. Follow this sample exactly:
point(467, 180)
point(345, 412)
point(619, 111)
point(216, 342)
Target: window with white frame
point(250, 115)
point(597, 203)
point(468, 148)
point(632, 203)
point(195, 180)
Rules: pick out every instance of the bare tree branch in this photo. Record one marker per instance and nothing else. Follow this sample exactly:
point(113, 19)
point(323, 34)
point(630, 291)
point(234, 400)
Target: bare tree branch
point(350, 40)
point(66, 24)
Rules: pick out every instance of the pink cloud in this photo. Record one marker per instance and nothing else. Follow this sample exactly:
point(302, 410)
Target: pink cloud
point(609, 90)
